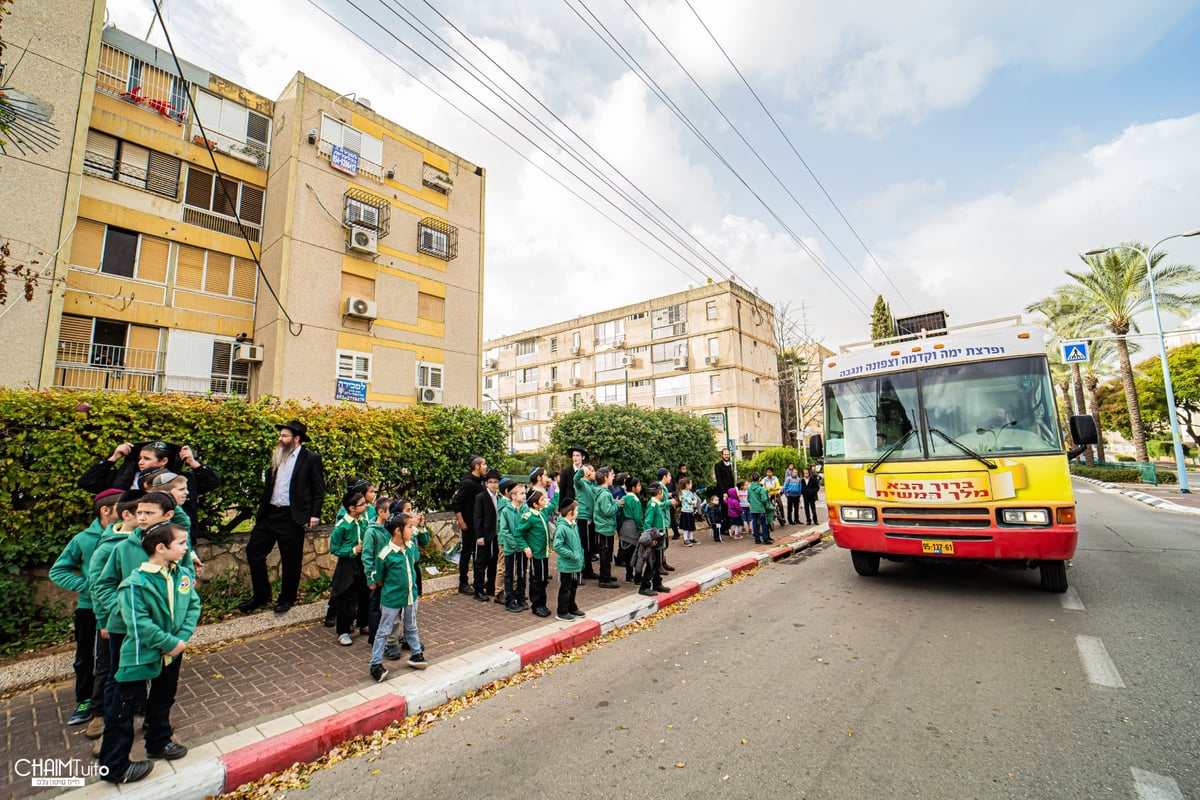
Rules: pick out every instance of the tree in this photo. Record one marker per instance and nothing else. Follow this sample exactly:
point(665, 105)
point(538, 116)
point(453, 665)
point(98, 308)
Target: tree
point(798, 365)
point(1065, 321)
point(638, 441)
point(1115, 288)
point(1185, 381)
point(1101, 356)
point(883, 325)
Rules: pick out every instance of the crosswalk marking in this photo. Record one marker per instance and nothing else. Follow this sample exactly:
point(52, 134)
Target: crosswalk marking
point(1070, 600)
point(1096, 662)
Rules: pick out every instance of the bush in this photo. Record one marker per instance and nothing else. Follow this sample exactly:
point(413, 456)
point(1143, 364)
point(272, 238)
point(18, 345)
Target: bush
point(777, 458)
point(24, 624)
point(1125, 459)
point(1119, 474)
point(639, 441)
point(48, 439)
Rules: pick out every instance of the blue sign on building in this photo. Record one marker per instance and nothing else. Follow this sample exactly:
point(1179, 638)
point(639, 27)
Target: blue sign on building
point(343, 159)
point(354, 391)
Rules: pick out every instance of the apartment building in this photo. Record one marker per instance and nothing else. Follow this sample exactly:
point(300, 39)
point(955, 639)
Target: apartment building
point(220, 242)
point(708, 351)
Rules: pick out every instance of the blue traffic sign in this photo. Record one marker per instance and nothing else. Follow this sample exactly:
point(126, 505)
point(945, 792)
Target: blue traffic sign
point(1075, 352)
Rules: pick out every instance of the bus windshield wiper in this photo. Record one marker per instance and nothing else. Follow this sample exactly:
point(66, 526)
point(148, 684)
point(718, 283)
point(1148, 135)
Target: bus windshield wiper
point(964, 448)
point(892, 449)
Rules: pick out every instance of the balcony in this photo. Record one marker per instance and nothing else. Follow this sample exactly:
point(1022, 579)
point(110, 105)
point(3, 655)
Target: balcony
point(79, 365)
point(672, 401)
point(221, 223)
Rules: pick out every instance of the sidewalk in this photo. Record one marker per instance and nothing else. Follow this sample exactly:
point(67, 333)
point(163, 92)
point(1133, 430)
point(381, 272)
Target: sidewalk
point(1165, 496)
point(247, 683)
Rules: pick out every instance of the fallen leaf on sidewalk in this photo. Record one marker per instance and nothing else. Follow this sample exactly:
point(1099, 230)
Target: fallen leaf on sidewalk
point(679, 765)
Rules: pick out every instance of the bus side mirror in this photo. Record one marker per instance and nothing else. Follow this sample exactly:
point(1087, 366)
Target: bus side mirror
point(1083, 429)
point(816, 447)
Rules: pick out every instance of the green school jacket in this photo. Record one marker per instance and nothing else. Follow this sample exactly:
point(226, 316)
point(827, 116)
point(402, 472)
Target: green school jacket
point(633, 510)
point(568, 546)
point(759, 501)
point(77, 555)
point(346, 535)
point(534, 530)
point(127, 555)
point(374, 540)
point(585, 495)
point(508, 521)
point(160, 608)
point(604, 512)
point(396, 570)
point(103, 607)
point(655, 517)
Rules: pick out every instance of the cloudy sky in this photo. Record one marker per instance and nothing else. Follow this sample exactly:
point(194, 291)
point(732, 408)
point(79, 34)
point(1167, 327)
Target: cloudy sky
point(973, 148)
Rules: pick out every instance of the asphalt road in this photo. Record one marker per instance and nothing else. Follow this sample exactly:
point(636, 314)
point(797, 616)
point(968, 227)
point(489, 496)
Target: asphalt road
point(808, 681)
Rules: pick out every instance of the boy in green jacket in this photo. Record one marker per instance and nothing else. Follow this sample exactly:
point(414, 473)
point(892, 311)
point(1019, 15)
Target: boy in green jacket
point(395, 574)
point(160, 609)
point(655, 529)
point(759, 503)
point(374, 541)
point(631, 526)
point(585, 496)
point(70, 571)
point(570, 561)
point(534, 530)
point(513, 545)
point(604, 520)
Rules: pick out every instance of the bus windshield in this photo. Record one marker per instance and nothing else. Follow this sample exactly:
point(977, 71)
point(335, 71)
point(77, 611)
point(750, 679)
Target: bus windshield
point(1001, 406)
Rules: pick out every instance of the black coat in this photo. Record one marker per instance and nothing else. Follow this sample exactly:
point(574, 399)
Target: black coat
point(464, 499)
point(810, 487)
point(483, 520)
point(307, 489)
point(566, 486)
point(724, 476)
point(105, 474)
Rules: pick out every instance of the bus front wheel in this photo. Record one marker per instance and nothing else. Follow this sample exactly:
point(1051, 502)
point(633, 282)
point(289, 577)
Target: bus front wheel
point(1054, 576)
point(865, 563)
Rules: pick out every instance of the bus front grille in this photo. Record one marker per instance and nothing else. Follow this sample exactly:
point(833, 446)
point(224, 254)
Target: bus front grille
point(937, 517)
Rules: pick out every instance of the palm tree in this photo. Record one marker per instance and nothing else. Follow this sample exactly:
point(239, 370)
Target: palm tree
point(1115, 289)
point(1099, 367)
point(1066, 320)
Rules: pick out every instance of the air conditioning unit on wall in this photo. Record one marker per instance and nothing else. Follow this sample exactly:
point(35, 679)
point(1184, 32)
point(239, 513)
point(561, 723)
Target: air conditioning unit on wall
point(628, 361)
point(245, 353)
point(429, 395)
point(746, 438)
point(711, 360)
point(680, 362)
point(363, 240)
point(361, 308)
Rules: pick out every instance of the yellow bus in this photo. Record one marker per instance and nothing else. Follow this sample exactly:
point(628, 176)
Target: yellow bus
point(949, 447)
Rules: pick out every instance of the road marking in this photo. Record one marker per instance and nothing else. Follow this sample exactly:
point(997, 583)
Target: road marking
point(1151, 786)
point(1081, 490)
point(1100, 668)
point(1070, 600)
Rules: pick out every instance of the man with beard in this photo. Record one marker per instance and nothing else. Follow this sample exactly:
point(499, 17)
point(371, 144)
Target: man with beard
point(464, 514)
point(723, 473)
point(292, 495)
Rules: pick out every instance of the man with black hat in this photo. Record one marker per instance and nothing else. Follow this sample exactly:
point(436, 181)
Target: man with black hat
point(566, 478)
point(487, 552)
point(292, 495)
point(463, 505)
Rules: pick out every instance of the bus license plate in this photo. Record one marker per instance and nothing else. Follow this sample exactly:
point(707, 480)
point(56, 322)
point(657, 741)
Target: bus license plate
point(937, 548)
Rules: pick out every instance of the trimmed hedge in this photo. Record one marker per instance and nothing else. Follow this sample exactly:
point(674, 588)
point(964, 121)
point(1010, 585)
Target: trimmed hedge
point(1120, 474)
point(49, 438)
point(777, 458)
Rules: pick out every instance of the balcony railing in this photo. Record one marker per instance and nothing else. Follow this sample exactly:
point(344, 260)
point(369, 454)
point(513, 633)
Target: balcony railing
point(672, 401)
point(220, 223)
point(79, 365)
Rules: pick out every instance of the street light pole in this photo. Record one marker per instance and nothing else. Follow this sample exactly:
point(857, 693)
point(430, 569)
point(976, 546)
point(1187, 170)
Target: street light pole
point(1176, 436)
point(507, 411)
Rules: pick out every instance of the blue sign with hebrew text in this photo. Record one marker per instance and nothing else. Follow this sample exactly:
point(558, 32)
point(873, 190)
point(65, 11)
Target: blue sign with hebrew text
point(352, 390)
point(343, 159)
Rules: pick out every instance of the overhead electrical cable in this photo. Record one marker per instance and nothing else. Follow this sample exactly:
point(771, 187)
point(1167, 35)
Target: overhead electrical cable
point(796, 152)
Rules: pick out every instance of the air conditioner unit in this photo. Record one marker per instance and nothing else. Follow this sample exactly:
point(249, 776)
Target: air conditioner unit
point(490, 363)
point(616, 344)
point(628, 361)
point(549, 385)
point(244, 353)
point(575, 350)
point(361, 307)
point(573, 381)
point(429, 395)
point(711, 360)
point(680, 362)
point(361, 214)
point(364, 241)
point(745, 438)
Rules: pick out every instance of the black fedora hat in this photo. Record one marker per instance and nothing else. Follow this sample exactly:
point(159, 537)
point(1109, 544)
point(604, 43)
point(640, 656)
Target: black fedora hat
point(297, 427)
point(576, 448)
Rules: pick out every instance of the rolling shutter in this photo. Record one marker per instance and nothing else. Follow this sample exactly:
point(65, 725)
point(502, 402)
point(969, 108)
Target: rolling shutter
point(162, 175)
point(87, 243)
point(152, 260)
point(216, 278)
point(135, 161)
point(100, 154)
point(189, 273)
point(245, 278)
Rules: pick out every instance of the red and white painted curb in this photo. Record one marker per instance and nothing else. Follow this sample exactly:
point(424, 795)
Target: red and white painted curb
point(225, 764)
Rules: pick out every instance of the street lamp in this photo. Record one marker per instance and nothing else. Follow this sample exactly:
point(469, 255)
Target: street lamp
point(506, 410)
point(1176, 437)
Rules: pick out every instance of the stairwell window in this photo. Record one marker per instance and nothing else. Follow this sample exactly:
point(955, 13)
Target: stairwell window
point(354, 365)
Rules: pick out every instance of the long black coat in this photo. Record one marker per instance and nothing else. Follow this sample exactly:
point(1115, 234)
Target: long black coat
point(307, 489)
point(105, 474)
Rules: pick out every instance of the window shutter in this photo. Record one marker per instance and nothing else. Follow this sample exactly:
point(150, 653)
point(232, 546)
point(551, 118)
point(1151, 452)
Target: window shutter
point(100, 154)
point(189, 273)
point(216, 277)
point(352, 139)
point(252, 204)
point(431, 307)
point(162, 174)
point(258, 129)
point(222, 360)
point(208, 111)
point(199, 188)
point(371, 149)
point(233, 119)
point(152, 260)
point(225, 199)
point(74, 339)
point(245, 278)
point(331, 130)
point(134, 162)
point(87, 243)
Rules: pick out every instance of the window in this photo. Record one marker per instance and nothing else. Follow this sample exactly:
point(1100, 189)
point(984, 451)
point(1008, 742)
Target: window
point(113, 159)
point(228, 376)
point(369, 149)
point(527, 347)
point(575, 337)
point(554, 373)
point(235, 128)
point(639, 384)
point(108, 343)
point(527, 433)
point(667, 352)
point(669, 321)
point(714, 347)
point(429, 376)
point(612, 394)
point(353, 365)
point(610, 332)
point(120, 252)
point(553, 403)
point(430, 307)
point(672, 392)
point(553, 344)
point(527, 408)
point(213, 272)
point(214, 204)
point(576, 370)
point(710, 309)
point(437, 238)
point(437, 179)
point(527, 377)
point(714, 383)
point(576, 400)
point(489, 382)
point(636, 316)
point(606, 361)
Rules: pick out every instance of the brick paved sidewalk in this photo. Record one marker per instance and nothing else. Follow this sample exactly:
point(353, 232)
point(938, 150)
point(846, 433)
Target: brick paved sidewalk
point(244, 683)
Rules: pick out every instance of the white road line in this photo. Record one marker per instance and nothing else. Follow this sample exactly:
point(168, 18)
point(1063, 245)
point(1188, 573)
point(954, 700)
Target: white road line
point(1081, 490)
point(1070, 600)
point(1151, 786)
point(1100, 668)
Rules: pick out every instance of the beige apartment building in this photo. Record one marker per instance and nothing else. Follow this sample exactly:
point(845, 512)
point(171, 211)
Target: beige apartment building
point(708, 351)
point(218, 242)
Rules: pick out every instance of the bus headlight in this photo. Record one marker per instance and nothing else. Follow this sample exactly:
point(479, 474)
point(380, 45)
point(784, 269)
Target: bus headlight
point(1025, 516)
point(857, 513)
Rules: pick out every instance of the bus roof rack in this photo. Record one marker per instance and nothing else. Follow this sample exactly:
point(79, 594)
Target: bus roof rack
point(1000, 322)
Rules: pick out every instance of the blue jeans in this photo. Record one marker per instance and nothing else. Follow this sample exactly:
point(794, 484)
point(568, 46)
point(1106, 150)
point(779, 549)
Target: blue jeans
point(388, 617)
point(759, 522)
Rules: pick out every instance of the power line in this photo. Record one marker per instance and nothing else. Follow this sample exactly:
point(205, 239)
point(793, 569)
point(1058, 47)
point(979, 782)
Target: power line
point(633, 64)
point(787, 139)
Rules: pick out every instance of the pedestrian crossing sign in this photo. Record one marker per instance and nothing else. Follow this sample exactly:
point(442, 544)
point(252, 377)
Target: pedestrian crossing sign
point(1075, 352)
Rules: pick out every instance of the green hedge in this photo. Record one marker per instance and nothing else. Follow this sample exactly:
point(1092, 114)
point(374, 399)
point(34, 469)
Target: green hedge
point(777, 458)
point(1120, 474)
point(48, 439)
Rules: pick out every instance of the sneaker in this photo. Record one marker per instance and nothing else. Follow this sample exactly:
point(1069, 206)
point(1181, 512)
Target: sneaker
point(95, 727)
point(136, 771)
point(662, 590)
point(330, 622)
point(364, 631)
point(483, 598)
point(513, 607)
point(417, 661)
point(378, 673)
point(609, 584)
point(647, 592)
point(567, 618)
point(668, 568)
point(687, 543)
point(676, 536)
point(541, 611)
point(465, 589)
point(768, 540)
point(344, 640)
point(83, 713)
point(391, 653)
point(173, 751)
point(524, 604)
point(578, 614)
